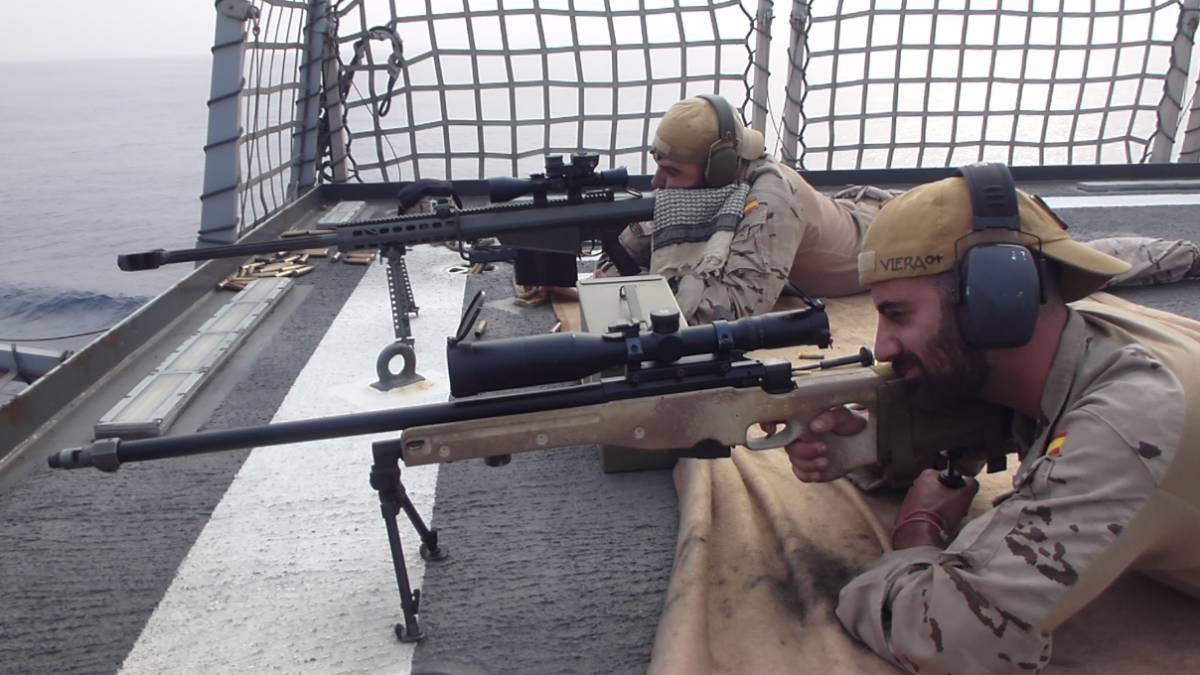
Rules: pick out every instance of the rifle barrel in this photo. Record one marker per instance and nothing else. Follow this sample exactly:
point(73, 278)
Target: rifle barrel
point(149, 260)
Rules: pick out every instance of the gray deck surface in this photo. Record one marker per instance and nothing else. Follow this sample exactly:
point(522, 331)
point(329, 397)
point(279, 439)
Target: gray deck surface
point(554, 566)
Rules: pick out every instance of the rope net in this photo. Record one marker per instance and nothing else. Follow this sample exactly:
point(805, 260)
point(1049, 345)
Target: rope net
point(274, 51)
point(480, 88)
point(487, 87)
point(923, 83)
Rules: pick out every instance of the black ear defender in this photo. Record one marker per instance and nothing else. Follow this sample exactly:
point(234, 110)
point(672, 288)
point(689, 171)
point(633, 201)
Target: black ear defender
point(999, 282)
point(723, 159)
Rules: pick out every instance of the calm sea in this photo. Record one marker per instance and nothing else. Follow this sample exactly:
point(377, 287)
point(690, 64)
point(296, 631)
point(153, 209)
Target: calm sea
point(98, 158)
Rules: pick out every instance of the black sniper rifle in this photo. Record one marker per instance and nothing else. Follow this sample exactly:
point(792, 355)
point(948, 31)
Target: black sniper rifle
point(590, 211)
point(686, 387)
point(541, 237)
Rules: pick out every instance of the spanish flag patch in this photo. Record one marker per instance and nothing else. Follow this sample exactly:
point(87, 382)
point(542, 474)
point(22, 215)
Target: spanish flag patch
point(750, 206)
point(1055, 447)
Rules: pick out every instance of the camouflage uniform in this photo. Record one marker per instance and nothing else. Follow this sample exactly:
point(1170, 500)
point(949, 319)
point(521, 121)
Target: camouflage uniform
point(1154, 261)
point(1106, 483)
point(789, 229)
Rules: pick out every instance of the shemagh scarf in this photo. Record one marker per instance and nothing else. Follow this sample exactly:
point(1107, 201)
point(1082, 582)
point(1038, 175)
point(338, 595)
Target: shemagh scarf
point(693, 229)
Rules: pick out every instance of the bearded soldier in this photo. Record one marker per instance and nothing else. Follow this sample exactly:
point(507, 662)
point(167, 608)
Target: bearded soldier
point(979, 294)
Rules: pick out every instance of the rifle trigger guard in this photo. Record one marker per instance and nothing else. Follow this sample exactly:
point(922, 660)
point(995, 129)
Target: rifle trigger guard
point(791, 431)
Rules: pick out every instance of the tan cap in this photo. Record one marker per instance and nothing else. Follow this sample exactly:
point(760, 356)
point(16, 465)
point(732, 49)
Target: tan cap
point(690, 128)
point(915, 234)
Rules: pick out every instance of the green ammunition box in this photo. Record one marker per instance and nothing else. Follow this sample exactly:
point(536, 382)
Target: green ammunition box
point(604, 302)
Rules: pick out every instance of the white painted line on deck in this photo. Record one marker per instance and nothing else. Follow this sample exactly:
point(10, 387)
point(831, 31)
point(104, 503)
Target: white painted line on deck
point(292, 573)
point(1108, 201)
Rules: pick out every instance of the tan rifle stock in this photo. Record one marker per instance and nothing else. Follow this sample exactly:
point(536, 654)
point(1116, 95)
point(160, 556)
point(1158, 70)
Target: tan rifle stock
point(909, 441)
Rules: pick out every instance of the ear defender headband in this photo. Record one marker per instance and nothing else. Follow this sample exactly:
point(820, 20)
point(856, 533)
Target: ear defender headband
point(999, 282)
point(723, 161)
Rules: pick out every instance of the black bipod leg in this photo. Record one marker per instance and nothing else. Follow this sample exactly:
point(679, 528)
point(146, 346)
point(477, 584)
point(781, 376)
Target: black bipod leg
point(385, 479)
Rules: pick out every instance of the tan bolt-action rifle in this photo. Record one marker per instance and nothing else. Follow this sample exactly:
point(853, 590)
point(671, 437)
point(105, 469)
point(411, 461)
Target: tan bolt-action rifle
point(691, 388)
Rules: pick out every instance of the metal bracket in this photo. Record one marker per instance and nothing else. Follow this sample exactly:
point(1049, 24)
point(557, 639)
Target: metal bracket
point(407, 375)
point(238, 10)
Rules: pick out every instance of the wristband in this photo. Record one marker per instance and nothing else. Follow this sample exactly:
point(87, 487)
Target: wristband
point(921, 516)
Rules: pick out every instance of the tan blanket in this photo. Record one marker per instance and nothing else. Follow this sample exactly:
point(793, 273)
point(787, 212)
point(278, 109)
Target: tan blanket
point(761, 557)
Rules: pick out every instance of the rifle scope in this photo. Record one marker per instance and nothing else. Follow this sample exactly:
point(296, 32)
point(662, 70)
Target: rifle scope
point(479, 367)
point(580, 174)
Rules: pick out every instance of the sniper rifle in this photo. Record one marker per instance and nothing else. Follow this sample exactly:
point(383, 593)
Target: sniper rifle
point(541, 236)
point(690, 387)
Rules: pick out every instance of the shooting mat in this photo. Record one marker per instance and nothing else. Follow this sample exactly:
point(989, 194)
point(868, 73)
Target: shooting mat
point(760, 559)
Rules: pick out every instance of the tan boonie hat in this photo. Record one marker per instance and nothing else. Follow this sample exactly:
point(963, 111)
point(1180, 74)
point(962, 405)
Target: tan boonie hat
point(690, 128)
point(914, 235)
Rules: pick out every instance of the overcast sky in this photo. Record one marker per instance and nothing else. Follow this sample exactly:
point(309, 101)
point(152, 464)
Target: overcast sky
point(71, 30)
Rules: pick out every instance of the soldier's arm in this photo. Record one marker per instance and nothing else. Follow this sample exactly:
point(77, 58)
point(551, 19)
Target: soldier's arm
point(981, 605)
point(636, 240)
point(760, 257)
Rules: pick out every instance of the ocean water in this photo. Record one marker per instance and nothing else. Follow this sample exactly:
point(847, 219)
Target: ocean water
point(96, 158)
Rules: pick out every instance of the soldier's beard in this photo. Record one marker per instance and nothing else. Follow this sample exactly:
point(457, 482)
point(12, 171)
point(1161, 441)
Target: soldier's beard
point(951, 374)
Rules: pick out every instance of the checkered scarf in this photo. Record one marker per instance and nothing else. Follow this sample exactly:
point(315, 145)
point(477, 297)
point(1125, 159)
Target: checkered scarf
point(693, 228)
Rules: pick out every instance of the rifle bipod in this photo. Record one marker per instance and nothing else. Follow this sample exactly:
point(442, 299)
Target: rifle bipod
point(385, 479)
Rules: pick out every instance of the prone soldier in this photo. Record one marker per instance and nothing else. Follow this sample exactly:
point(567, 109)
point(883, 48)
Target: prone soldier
point(732, 226)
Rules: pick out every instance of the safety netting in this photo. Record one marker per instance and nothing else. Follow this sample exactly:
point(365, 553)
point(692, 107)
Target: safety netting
point(474, 88)
point(272, 84)
point(373, 91)
point(919, 83)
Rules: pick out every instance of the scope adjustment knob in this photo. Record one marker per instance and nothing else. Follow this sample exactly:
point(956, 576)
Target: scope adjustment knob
point(664, 321)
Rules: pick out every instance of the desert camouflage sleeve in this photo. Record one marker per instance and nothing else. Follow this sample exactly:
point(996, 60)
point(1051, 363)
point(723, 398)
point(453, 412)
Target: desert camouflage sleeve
point(760, 257)
point(975, 607)
point(636, 240)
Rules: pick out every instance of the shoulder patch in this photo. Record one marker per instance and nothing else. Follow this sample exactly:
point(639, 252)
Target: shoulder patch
point(1054, 448)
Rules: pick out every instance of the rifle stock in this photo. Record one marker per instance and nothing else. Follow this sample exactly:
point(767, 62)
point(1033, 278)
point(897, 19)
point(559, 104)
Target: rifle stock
point(911, 439)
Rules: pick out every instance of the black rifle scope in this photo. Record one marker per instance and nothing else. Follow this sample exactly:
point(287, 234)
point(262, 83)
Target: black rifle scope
point(479, 367)
point(560, 177)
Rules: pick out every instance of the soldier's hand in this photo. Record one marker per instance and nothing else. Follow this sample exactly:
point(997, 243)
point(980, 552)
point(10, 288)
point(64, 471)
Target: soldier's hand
point(808, 457)
point(928, 495)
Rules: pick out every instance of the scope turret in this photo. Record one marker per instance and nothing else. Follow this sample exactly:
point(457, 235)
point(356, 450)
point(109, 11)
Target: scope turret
point(479, 367)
